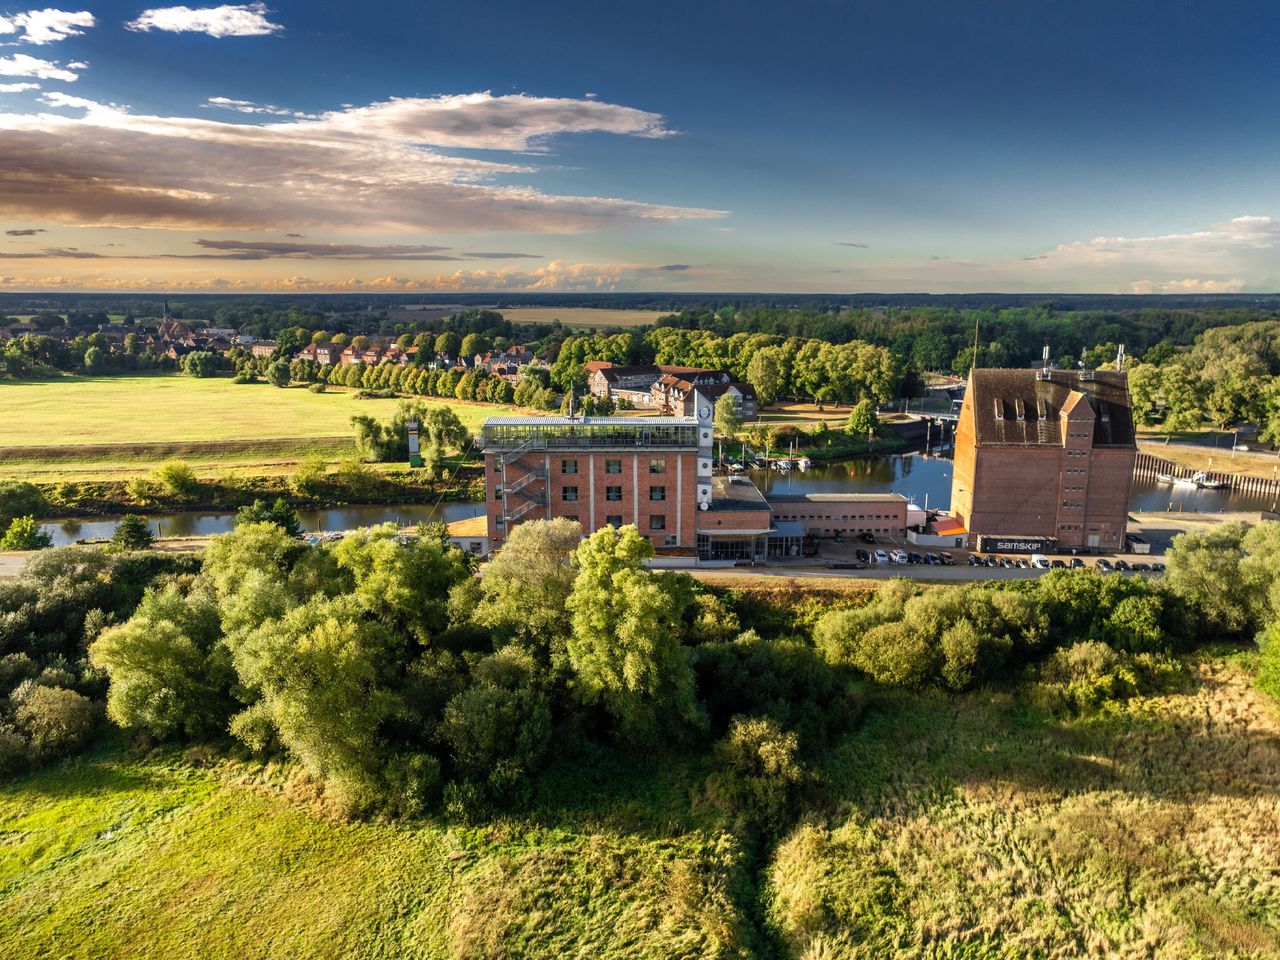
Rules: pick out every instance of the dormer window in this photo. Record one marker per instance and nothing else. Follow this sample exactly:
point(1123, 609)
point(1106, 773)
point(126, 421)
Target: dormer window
point(999, 409)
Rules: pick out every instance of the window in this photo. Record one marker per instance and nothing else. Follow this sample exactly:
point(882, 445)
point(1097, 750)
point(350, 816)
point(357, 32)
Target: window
point(568, 466)
point(613, 466)
point(497, 467)
point(657, 493)
point(613, 520)
point(613, 493)
point(571, 516)
point(672, 539)
point(497, 491)
point(657, 466)
point(569, 494)
point(658, 522)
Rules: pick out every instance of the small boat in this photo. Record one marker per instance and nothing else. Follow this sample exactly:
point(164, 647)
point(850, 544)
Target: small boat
point(1205, 482)
point(804, 463)
point(782, 466)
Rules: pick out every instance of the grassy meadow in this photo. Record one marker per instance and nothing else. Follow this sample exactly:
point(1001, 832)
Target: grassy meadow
point(583, 316)
point(60, 429)
point(948, 826)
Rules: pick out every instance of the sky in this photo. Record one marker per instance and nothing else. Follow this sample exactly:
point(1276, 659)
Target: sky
point(808, 146)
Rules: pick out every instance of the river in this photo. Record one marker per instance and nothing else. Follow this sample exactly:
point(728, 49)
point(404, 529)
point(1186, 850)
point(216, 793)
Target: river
point(923, 478)
point(197, 524)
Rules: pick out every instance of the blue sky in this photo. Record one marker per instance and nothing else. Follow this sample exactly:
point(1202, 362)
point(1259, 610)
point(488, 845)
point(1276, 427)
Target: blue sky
point(808, 146)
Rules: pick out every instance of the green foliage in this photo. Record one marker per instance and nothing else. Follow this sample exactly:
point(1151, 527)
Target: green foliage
point(308, 478)
point(279, 513)
point(728, 419)
point(24, 533)
point(624, 649)
point(55, 721)
point(169, 673)
point(758, 776)
point(20, 499)
point(132, 533)
point(526, 585)
point(439, 431)
point(277, 374)
point(201, 363)
point(863, 420)
point(176, 480)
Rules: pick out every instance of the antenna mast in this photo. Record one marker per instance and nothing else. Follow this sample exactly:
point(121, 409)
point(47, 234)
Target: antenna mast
point(975, 344)
point(1120, 359)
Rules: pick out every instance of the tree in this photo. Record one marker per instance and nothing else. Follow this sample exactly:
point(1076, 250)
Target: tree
point(863, 419)
point(765, 372)
point(308, 478)
point(526, 586)
point(624, 647)
point(728, 417)
point(278, 374)
point(176, 480)
point(56, 720)
point(1204, 569)
point(200, 363)
point(758, 775)
point(95, 359)
point(18, 498)
point(472, 344)
point(447, 345)
point(24, 533)
point(132, 533)
point(279, 513)
point(169, 675)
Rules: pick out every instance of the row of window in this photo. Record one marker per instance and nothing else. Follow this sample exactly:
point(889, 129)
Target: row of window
point(656, 522)
point(569, 467)
point(801, 516)
point(1077, 470)
point(570, 494)
point(1073, 504)
point(1077, 453)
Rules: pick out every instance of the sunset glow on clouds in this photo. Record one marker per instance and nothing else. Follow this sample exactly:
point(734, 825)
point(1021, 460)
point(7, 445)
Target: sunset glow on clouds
point(190, 147)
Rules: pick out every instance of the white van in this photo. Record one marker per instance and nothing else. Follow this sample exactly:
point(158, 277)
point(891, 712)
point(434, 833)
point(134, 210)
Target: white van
point(1040, 561)
point(898, 556)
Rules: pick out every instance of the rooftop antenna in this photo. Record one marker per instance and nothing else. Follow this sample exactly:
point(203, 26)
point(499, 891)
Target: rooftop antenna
point(975, 345)
point(1083, 353)
point(1045, 357)
point(1120, 358)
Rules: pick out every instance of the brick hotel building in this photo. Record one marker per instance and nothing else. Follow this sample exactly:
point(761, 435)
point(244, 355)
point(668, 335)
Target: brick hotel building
point(1045, 455)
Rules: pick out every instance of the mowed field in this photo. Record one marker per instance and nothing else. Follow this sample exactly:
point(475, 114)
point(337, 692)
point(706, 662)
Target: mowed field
point(55, 428)
point(972, 826)
point(583, 316)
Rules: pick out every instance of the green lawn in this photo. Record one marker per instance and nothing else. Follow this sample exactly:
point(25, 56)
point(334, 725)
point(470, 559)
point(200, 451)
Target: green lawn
point(176, 409)
point(117, 856)
point(969, 826)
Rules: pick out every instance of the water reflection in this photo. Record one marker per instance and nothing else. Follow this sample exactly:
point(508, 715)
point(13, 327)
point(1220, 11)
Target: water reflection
point(210, 524)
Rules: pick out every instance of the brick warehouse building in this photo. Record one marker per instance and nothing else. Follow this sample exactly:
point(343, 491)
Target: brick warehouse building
point(1044, 455)
point(654, 472)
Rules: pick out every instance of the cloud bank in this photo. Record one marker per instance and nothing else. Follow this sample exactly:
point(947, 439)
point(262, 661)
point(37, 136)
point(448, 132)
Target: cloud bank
point(45, 26)
point(22, 65)
point(380, 166)
point(245, 20)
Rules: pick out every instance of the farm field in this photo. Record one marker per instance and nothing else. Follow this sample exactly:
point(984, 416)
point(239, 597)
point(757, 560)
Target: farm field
point(583, 316)
point(57, 428)
point(957, 826)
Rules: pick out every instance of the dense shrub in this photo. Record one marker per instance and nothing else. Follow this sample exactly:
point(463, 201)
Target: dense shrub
point(176, 480)
point(20, 499)
point(758, 776)
point(56, 721)
point(24, 533)
point(132, 533)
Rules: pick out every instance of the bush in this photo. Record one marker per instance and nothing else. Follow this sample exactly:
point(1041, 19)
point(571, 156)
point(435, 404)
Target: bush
point(177, 480)
point(279, 513)
point(56, 721)
point(20, 499)
point(132, 533)
point(317, 387)
point(142, 490)
point(758, 777)
point(24, 533)
point(308, 479)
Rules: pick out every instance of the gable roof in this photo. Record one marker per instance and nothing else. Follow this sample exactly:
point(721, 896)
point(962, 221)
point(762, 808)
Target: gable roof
point(1026, 407)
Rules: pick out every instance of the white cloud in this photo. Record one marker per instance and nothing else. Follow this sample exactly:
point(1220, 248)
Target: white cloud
point(21, 65)
point(372, 167)
point(45, 26)
point(246, 20)
point(18, 87)
point(248, 106)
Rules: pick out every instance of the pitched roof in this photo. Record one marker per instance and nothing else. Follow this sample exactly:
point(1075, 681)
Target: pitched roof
point(1026, 407)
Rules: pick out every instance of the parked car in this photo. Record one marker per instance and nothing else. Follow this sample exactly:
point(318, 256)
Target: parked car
point(898, 556)
point(1157, 568)
point(1142, 567)
point(862, 555)
point(932, 558)
point(914, 557)
point(947, 559)
point(866, 538)
point(1122, 564)
point(881, 557)
point(1058, 564)
point(1021, 563)
point(1077, 563)
point(994, 562)
point(1104, 565)
point(976, 560)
